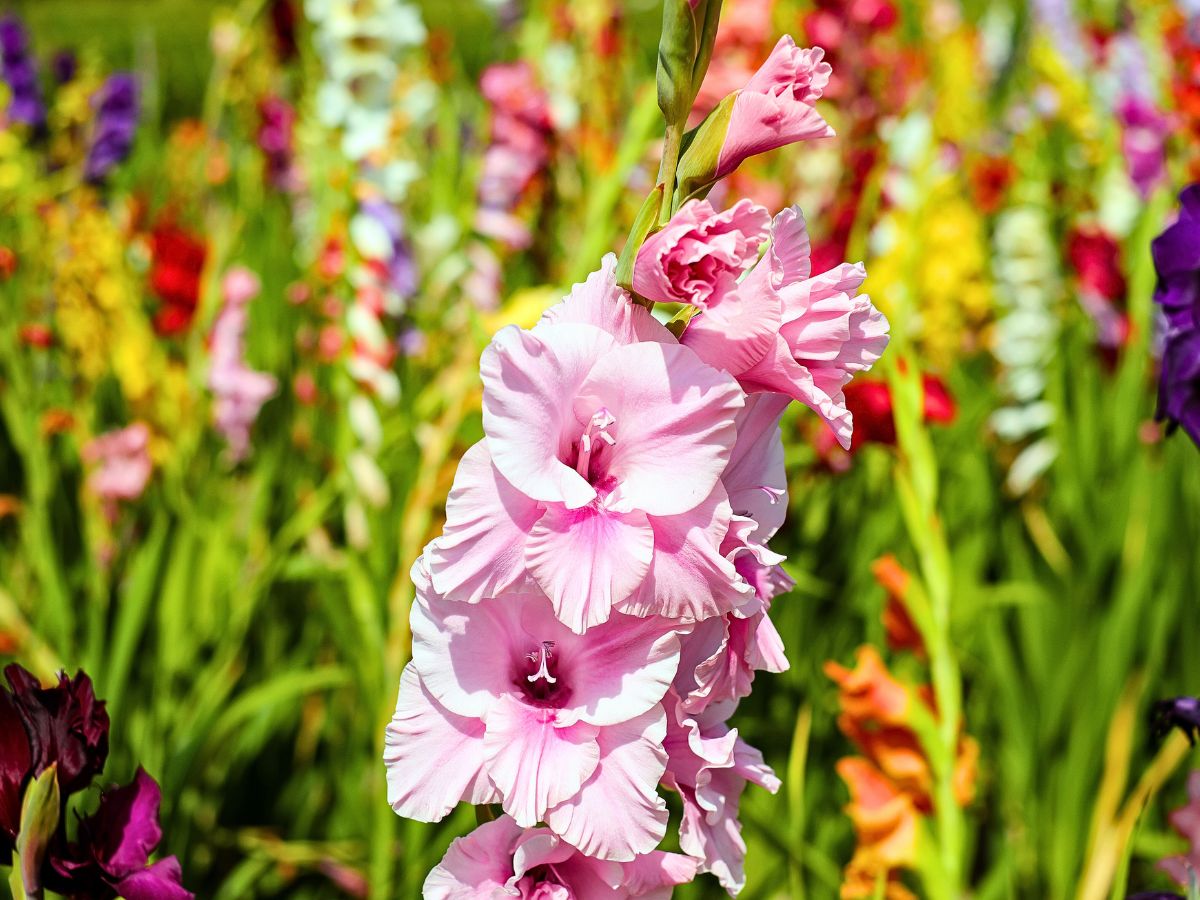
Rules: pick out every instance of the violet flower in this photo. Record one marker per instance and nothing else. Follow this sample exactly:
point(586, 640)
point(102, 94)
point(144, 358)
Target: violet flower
point(1181, 712)
point(116, 105)
point(111, 855)
point(1144, 133)
point(1176, 255)
point(19, 70)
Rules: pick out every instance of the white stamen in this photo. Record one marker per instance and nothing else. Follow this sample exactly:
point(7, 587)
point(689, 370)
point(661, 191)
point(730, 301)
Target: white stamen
point(543, 656)
point(600, 422)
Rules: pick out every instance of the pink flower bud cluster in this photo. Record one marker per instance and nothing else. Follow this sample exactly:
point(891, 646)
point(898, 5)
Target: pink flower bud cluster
point(598, 602)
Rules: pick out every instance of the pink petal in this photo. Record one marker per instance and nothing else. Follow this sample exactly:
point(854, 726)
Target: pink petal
point(433, 756)
point(588, 559)
point(735, 333)
point(755, 477)
point(821, 391)
point(619, 670)
point(689, 579)
point(601, 303)
point(652, 876)
point(618, 814)
point(790, 251)
point(476, 865)
point(675, 416)
point(528, 380)
point(481, 551)
point(533, 762)
point(776, 106)
point(462, 652)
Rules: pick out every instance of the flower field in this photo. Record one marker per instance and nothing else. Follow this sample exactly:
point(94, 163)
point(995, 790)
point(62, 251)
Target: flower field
point(634, 449)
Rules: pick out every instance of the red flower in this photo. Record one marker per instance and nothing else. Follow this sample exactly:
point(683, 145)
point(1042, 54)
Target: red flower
point(177, 265)
point(1096, 258)
point(870, 402)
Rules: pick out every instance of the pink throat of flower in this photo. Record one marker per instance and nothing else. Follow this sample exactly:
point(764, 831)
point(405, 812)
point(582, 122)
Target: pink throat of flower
point(540, 680)
point(595, 433)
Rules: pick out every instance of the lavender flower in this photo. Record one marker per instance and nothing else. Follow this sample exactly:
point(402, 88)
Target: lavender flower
point(116, 105)
point(1176, 255)
point(19, 71)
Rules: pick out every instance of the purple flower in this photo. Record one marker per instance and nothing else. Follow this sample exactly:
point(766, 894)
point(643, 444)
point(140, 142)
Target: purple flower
point(1176, 255)
point(402, 273)
point(110, 856)
point(116, 105)
point(19, 71)
point(65, 65)
point(1182, 713)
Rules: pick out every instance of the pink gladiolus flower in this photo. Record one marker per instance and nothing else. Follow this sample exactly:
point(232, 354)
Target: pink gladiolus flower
point(709, 766)
point(700, 253)
point(780, 330)
point(1144, 131)
point(775, 108)
point(720, 655)
point(599, 474)
point(1186, 821)
point(238, 391)
point(502, 703)
point(123, 464)
point(502, 859)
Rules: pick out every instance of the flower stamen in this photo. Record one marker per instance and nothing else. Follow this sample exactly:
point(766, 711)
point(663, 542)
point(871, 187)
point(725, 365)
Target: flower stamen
point(542, 657)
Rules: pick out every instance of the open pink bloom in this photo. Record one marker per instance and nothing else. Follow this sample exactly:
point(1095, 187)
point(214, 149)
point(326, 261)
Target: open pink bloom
point(599, 476)
point(122, 460)
point(502, 703)
point(720, 655)
point(1144, 132)
point(238, 391)
point(709, 765)
point(780, 330)
point(775, 108)
point(700, 253)
point(502, 859)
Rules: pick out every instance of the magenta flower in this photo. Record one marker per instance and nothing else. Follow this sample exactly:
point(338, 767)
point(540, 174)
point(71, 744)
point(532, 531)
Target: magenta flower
point(502, 703)
point(589, 419)
point(110, 857)
point(700, 253)
point(1186, 821)
point(502, 859)
point(709, 766)
point(780, 330)
point(1144, 132)
point(122, 460)
point(776, 107)
point(238, 391)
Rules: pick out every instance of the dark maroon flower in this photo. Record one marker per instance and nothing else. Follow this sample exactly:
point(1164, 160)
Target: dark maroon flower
point(15, 762)
point(65, 724)
point(110, 856)
point(1182, 713)
point(1176, 255)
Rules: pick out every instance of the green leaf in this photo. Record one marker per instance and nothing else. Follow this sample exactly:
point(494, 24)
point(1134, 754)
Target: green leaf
point(39, 819)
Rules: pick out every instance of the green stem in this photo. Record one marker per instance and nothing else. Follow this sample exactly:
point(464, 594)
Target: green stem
point(667, 169)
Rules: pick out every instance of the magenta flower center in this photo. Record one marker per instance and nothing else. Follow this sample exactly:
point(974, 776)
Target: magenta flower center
point(538, 677)
point(595, 438)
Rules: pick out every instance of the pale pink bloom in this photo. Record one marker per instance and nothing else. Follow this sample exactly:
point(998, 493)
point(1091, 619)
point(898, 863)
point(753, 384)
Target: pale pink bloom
point(502, 703)
point(709, 765)
point(503, 226)
point(700, 253)
point(780, 330)
point(719, 657)
point(238, 391)
point(590, 420)
point(122, 461)
point(775, 108)
point(502, 859)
